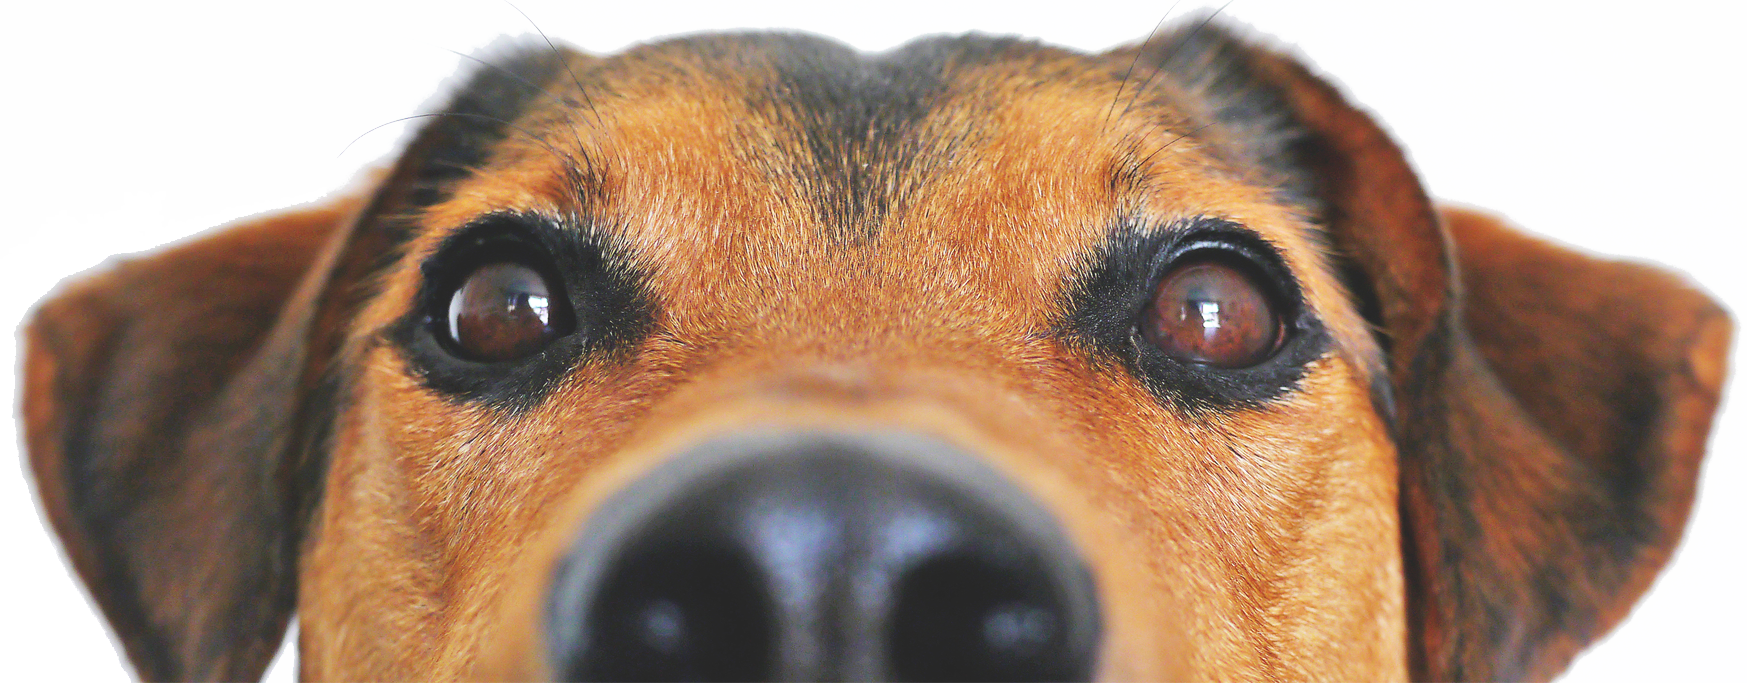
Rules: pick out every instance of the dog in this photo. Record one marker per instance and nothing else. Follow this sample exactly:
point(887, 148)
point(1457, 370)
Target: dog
point(747, 356)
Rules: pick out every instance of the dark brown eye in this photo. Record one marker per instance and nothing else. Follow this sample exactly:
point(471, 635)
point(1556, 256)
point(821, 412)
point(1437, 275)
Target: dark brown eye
point(504, 311)
point(1214, 311)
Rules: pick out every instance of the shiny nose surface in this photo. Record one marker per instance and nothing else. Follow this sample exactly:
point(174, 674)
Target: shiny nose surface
point(822, 556)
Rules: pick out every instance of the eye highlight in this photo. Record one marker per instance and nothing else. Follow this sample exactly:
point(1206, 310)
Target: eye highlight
point(1205, 312)
point(513, 302)
point(504, 311)
point(1214, 310)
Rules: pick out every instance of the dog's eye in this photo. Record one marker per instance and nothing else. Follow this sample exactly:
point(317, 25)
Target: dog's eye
point(504, 311)
point(1213, 310)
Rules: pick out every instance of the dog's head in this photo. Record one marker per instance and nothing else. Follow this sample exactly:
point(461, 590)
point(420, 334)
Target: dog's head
point(748, 356)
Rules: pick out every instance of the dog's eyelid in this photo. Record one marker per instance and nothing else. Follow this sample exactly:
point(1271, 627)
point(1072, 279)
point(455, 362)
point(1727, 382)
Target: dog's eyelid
point(548, 294)
point(531, 229)
point(1115, 299)
point(527, 239)
point(1212, 234)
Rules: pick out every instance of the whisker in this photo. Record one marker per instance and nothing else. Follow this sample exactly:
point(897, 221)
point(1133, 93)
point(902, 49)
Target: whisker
point(560, 154)
point(525, 82)
point(561, 57)
point(545, 95)
point(380, 126)
point(1173, 55)
point(574, 174)
point(1149, 158)
point(1139, 50)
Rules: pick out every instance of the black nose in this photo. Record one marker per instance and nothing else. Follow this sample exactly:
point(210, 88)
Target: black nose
point(823, 556)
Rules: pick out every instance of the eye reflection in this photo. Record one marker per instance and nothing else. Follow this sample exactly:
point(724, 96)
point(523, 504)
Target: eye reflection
point(1214, 312)
point(503, 311)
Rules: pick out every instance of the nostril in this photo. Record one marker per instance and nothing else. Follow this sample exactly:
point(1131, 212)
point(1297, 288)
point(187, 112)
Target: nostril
point(678, 612)
point(969, 617)
point(822, 557)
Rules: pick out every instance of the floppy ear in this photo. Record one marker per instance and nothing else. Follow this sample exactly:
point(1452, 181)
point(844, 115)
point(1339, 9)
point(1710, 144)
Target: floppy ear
point(176, 405)
point(1549, 408)
point(1575, 408)
point(160, 400)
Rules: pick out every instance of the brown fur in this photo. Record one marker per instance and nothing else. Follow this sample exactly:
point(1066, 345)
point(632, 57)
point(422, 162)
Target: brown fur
point(1470, 484)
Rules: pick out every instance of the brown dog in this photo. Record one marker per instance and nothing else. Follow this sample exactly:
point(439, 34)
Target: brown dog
point(748, 357)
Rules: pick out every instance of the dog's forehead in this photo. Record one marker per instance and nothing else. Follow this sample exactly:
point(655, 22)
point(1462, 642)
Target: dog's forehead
point(763, 170)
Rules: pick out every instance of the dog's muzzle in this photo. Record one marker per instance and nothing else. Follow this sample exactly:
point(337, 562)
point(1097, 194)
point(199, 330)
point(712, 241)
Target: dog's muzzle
point(822, 556)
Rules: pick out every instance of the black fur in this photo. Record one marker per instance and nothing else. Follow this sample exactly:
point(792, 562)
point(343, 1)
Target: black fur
point(479, 115)
point(456, 142)
point(862, 120)
point(1210, 63)
point(611, 309)
point(1107, 302)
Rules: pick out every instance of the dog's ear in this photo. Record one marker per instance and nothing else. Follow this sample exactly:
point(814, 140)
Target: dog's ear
point(1550, 408)
point(177, 405)
point(158, 400)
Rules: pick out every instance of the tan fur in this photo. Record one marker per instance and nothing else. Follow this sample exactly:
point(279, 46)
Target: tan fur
point(1261, 544)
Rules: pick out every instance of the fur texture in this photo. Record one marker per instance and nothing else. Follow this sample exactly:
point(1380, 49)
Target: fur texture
point(1482, 460)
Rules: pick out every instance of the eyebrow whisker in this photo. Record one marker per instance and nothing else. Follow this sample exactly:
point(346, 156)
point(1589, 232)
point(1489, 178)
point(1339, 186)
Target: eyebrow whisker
point(1149, 158)
point(1135, 97)
point(563, 59)
point(1138, 51)
point(569, 161)
point(525, 82)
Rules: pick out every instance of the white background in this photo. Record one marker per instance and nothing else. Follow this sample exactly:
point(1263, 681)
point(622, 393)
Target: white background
point(1618, 128)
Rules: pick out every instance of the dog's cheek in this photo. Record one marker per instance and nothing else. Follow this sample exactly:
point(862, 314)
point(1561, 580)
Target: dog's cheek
point(434, 502)
point(1341, 565)
point(379, 585)
point(1268, 527)
point(365, 589)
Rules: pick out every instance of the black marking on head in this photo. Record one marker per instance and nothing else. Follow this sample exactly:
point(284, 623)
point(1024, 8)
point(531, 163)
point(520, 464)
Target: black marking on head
point(610, 304)
point(861, 119)
point(1106, 304)
point(458, 140)
point(1211, 63)
point(481, 114)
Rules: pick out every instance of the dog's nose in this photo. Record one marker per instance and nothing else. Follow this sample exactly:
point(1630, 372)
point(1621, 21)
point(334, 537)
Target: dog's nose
point(823, 556)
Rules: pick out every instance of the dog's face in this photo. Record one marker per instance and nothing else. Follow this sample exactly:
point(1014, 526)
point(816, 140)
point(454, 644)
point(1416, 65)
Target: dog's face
point(774, 235)
point(751, 357)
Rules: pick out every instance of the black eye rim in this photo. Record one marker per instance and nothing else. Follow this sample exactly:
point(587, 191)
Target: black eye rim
point(603, 290)
point(1242, 252)
point(1104, 305)
point(451, 269)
